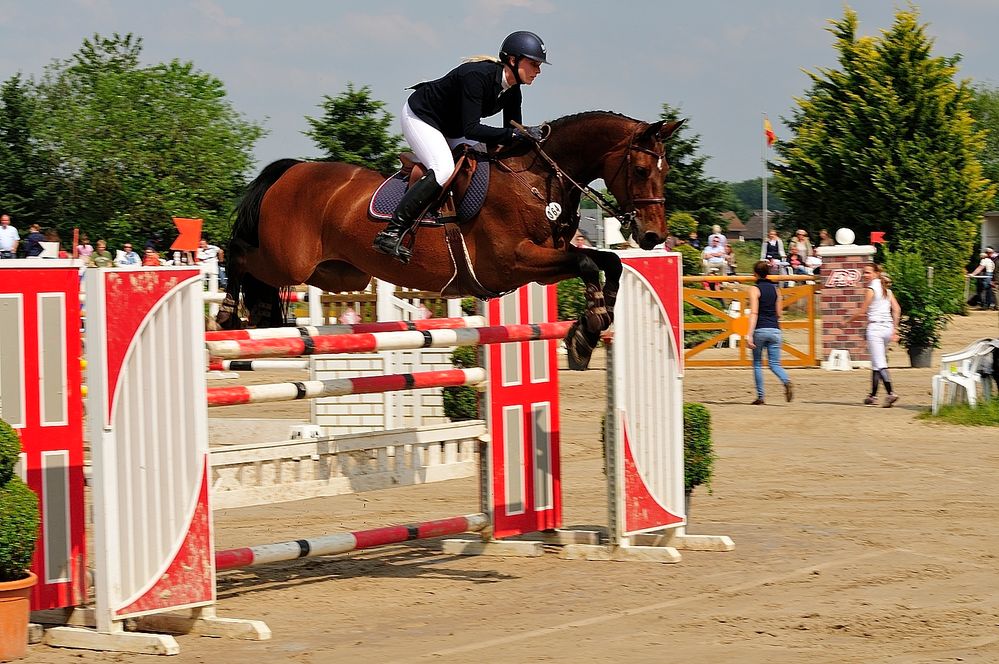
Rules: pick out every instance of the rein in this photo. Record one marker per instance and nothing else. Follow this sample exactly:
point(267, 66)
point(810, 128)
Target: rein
point(627, 219)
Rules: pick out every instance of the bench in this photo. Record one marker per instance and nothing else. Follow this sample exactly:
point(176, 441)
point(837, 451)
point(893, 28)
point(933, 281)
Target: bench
point(961, 371)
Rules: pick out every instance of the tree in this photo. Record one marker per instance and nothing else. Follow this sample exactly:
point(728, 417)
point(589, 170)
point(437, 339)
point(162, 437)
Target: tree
point(984, 108)
point(16, 152)
point(750, 194)
point(886, 142)
point(125, 147)
point(354, 129)
point(688, 189)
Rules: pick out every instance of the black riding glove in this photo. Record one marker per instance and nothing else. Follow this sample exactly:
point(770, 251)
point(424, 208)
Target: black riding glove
point(536, 133)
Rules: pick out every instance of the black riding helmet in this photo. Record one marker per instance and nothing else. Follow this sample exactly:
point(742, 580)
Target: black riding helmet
point(524, 44)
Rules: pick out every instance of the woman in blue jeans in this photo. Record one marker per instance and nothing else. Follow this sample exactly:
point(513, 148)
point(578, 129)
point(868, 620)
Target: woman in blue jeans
point(765, 311)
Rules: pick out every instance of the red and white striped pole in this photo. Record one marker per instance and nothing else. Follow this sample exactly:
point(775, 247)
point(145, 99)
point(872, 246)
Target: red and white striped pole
point(344, 542)
point(308, 389)
point(215, 364)
point(358, 328)
point(369, 343)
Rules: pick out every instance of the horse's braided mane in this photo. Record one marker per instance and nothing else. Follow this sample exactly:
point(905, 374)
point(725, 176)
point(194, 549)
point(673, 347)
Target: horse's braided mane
point(586, 115)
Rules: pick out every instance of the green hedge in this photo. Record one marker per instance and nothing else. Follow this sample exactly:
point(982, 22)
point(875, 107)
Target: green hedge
point(462, 402)
point(19, 518)
point(698, 451)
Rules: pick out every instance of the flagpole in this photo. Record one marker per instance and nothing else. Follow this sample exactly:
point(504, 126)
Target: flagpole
point(764, 160)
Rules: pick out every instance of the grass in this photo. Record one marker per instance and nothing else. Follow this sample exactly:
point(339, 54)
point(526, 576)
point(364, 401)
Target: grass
point(986, 414)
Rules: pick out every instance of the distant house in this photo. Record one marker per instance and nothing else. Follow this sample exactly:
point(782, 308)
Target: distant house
point(735, 230)
point(754, 225)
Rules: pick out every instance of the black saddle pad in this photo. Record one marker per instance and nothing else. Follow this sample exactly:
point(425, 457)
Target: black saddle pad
point(388, 195)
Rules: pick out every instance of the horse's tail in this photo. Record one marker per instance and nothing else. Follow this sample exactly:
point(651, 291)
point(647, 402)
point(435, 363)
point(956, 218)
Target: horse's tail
point(261, 300)
point(248, 208)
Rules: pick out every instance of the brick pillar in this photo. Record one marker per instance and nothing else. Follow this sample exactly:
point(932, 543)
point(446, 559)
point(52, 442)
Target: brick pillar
point(842, 294)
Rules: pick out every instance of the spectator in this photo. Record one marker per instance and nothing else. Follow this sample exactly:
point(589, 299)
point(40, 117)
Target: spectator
point(730, 259)
point(716, 233)
point(150, 258)
point(773, 248)
point(813, 263)
point(101, 256)
point(33, 243)
point(801, 247)
point(693, 240)
point(9, 238)
point(52, 235)
point(983, 284)
point(825, 240)
point(765, 311)
point(207, 253)
point(84, 249)
point(713, 255)
point(127, 257)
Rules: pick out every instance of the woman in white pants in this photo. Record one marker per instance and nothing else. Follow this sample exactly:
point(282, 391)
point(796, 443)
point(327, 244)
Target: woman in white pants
point(883, 312)
point(441, 114)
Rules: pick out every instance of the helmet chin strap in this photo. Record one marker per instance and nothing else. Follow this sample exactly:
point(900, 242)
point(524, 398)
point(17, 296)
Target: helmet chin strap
point(515, 67)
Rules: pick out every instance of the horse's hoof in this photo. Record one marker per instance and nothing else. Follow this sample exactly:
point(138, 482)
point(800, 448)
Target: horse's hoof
point(597, 320)
point(579, 345)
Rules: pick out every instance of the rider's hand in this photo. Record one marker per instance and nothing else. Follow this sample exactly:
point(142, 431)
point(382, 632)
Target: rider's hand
point(535, 133)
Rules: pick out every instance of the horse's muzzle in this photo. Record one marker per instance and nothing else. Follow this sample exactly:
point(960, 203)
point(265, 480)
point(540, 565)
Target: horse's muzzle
point(649, 240)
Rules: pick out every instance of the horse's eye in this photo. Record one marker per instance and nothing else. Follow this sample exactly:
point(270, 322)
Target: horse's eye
point(641, 171)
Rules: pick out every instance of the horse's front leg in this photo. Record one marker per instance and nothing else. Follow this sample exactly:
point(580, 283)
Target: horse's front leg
point(550, 265)
point(610, 264)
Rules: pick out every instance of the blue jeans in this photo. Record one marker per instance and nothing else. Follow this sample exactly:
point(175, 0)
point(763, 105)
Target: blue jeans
point(770, 339)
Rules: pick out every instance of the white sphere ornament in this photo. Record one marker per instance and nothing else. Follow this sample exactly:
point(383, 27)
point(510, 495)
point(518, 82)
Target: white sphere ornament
point(845, 236)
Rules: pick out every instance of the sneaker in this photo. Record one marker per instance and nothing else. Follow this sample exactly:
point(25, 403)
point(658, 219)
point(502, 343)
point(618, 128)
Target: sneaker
point(889, 400)
point(788, 391)
point(869, 400)
point(758, 402)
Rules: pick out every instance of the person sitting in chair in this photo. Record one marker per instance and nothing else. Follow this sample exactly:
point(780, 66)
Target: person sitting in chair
point(442, 114)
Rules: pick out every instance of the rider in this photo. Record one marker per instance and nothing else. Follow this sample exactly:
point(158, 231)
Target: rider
point(444, 113)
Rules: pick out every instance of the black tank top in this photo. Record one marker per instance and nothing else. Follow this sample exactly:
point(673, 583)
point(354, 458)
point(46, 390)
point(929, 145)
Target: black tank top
point(766, 316)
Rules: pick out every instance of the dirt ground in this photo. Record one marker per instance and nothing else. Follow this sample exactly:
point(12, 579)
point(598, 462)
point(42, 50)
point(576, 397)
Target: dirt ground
point(862, 535)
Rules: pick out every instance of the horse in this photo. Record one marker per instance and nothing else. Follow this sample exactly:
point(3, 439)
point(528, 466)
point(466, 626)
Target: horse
point(306, 222)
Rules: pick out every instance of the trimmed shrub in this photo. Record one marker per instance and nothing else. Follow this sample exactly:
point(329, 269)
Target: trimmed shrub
point(461, 402)
point(19, 518)
point(691, 259)
point(698, 452)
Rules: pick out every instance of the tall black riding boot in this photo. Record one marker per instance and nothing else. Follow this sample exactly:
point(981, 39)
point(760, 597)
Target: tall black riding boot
point(413, 204)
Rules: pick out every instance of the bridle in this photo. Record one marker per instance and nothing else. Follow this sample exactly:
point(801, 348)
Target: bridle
point(627, 218)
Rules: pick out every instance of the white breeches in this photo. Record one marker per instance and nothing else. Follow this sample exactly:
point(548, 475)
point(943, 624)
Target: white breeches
point(430, 146)
point(878, 337)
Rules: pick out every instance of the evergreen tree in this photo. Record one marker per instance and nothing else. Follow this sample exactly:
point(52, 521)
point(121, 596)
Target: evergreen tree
point(886, 142)
point(354, 129)
point(16, 153)
point(688, 189)
point(750, 194)
point(984, 108)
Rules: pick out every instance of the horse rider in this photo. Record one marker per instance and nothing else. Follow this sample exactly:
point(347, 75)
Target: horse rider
point(442, 114)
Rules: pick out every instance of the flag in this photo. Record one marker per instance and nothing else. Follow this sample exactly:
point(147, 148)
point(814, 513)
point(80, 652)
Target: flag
point(768, 129)
point(878, 237)
point(189, 234)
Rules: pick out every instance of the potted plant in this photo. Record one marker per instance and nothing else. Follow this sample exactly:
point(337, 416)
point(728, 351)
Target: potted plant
point(923, 318)
point(698, 451)
point(18, 534)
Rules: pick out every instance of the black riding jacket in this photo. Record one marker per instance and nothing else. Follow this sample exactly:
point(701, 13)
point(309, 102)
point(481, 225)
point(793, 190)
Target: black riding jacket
point(456, 102)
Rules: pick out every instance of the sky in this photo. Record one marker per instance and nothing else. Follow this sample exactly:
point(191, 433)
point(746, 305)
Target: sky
point(723, 64)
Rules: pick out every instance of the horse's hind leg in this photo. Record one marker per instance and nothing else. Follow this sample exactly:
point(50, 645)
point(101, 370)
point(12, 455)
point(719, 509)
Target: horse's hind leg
point(228, 315)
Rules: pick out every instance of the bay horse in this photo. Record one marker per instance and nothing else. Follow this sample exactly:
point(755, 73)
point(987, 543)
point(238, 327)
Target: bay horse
point(307, 222)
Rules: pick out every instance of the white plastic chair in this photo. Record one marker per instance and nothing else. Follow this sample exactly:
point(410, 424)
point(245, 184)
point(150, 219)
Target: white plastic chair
point(959, 372)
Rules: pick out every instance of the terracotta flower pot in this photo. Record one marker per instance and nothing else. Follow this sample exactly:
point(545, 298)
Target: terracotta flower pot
point(15, 610)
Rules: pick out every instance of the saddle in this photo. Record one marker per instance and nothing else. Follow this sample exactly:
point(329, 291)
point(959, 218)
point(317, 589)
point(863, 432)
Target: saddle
point(461, 196)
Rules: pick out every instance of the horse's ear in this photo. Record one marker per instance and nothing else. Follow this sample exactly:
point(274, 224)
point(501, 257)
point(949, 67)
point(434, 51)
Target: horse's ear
point(665, 129)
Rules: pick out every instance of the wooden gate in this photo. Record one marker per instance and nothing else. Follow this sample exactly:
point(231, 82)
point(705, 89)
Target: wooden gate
point(717, 318)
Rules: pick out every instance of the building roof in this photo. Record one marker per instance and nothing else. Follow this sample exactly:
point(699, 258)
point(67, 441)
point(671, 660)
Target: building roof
point(754, 225)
